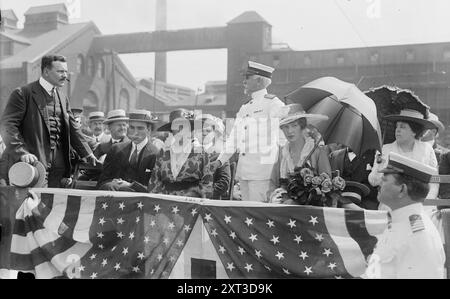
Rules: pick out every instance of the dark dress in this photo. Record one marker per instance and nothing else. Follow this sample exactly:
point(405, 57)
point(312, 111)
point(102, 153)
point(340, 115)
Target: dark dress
point(195, 172)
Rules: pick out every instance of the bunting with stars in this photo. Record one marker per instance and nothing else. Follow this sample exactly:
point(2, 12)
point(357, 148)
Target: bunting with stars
point(91, 234)
point(292, 241)
point(80, 235)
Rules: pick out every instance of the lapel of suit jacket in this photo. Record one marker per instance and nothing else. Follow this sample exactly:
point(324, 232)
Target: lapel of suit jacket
point(62, 100)
point(146, 152)
point(127, 152)
point(39, 95)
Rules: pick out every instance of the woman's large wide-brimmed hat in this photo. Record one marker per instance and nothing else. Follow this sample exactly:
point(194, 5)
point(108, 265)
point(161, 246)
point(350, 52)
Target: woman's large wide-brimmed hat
point(411, 115)
point(180, 114)
point(293, 112)
point(25, 175)
point(208, 119)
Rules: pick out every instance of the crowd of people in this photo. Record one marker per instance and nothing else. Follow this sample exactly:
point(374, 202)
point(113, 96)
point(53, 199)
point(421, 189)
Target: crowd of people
point(194, 155)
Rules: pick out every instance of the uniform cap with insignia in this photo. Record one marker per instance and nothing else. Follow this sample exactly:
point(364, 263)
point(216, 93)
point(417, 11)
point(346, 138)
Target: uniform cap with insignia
point(254, 68)
point(398, 164)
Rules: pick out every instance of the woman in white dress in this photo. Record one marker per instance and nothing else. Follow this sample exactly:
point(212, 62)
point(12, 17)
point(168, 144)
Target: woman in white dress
point(410, 126)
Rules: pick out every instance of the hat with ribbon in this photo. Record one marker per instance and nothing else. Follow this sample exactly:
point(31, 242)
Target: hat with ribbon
point(181, 117)
point(96, 116)
point(437, 124)
point(25, 175)
point(355, 191)
point(116, 115)
point(293, 112)
point(143, 116)
point(211, 120)
point(412, 116)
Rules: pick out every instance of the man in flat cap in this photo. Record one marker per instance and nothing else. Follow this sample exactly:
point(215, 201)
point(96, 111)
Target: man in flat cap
point(255, 134)
point(411, 246)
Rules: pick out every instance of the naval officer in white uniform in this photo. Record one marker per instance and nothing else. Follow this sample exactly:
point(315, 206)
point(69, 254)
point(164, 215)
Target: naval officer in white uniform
point(411, 246)
point(255, 134)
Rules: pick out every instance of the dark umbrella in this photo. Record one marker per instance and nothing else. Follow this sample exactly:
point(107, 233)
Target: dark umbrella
point(352, 116)
point(391, 100)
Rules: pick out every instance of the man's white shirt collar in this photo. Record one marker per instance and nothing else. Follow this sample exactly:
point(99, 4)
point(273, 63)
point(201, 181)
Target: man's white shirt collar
point(46, 85)
point(141, 145)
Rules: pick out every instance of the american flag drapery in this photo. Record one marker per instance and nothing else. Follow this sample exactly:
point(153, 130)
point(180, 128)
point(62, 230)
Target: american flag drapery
point(86, 234)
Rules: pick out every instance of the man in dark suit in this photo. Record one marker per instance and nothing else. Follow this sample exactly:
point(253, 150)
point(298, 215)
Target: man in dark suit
point(117, 122)
point(38, 124)
point(128, 165)
point(356, 168)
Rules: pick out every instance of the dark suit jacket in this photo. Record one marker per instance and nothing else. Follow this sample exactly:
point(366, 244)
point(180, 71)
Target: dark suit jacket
point(25, 127)
point(105, 147)
point(117, 164)
point(356, 170)
point(221, 178)
point(444, 169)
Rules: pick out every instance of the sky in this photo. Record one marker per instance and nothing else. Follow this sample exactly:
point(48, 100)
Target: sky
point(302, 24)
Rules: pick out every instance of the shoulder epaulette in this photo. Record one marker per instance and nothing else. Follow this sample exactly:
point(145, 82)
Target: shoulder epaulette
point(270, 96)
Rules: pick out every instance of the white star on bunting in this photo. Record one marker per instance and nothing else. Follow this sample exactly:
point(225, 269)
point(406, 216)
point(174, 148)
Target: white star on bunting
point(327, 252)
point(291, 223)
point(248, 221)
point(275, 240)
point(313, 220)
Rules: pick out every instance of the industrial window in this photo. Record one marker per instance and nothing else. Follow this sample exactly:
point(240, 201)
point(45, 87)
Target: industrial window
point(91, 66)
point(374, 57)
point(409, 55)
point(80, 64)
point(101, 69)
point(307, 60)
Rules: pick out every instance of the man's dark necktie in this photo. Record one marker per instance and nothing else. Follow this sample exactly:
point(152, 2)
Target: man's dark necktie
point(134, 158)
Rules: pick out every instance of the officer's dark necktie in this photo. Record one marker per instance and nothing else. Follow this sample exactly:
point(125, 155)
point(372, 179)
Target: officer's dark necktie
point(134, 158)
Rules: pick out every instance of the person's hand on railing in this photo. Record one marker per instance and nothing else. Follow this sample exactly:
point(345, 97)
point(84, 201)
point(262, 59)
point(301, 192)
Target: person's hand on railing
point(277, 196)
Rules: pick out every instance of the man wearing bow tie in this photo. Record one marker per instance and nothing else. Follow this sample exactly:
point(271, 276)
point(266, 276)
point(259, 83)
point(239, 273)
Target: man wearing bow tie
point(38, 124)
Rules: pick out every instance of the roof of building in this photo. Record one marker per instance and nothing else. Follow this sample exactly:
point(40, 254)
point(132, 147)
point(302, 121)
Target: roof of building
point(15, 37)
point(60, 7)
point(9, 14)
point(248, 17)
point(43, 43)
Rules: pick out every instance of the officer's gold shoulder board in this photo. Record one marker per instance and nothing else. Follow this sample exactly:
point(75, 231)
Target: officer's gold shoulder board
point(416, 223)
point(270, 96)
